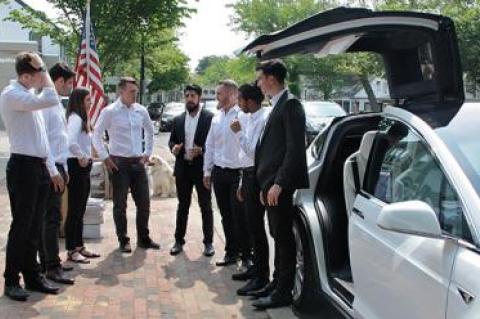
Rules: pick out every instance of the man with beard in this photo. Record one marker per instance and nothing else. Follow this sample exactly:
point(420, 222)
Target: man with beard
point(187, 142)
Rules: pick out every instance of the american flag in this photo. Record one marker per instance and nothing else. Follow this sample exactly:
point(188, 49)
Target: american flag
point(88, 70)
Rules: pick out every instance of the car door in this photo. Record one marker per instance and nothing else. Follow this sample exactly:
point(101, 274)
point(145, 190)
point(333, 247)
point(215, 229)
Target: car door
point(397, 275)
point(464, 289)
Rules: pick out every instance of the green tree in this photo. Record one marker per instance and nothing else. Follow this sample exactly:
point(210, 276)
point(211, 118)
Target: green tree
point(119, 26)
point(205, 62)
point(241, 69)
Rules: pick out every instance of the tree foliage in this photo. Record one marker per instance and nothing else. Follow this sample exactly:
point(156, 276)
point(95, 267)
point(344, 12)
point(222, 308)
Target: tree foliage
point(119, 25)
point(241, 69)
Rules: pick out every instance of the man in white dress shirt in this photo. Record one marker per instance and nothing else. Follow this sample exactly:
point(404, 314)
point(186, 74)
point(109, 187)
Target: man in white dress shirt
point(27, 174)
point(222, 168)
point(55, 125)
point(125, 120)
point(250, 100)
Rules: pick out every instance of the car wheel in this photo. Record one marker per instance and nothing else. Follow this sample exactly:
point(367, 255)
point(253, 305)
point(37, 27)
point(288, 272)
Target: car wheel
point(305, 278)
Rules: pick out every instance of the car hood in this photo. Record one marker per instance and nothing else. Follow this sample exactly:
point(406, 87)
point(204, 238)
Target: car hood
point(420, 53)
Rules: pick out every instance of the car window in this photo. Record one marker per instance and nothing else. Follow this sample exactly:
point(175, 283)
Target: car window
point(318, 143)
point(402, 168)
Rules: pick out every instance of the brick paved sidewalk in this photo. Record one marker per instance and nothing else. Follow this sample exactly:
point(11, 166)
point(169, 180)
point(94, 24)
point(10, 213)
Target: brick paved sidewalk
point(144, 284)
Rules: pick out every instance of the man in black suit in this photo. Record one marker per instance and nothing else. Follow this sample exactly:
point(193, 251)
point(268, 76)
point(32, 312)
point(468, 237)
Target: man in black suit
point(281, 168)
point(187, 141)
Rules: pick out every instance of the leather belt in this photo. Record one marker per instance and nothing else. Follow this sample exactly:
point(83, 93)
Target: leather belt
point(128, 160)
point(28, 158)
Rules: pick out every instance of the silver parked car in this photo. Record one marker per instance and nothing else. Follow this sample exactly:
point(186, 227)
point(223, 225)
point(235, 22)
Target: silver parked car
point(319, 114)
point(390, 226)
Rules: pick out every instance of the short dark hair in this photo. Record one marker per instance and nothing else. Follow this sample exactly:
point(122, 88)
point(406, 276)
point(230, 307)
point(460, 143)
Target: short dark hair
point(23, 63)
point(61, 70)
point(251, 92)
point(125, 80)
point(275, 68)
point(193, 87)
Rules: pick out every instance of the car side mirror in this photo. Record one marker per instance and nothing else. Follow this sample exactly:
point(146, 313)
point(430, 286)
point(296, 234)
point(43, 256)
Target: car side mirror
point(410, 217)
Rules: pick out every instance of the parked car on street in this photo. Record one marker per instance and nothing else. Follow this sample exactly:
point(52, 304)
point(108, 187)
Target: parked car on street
point(390, 226)
point(155, 110)
point(319, 114)
point(171, 110)
point(211, 105)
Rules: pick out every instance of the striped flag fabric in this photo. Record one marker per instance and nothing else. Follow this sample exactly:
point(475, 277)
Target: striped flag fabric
point(88, 70)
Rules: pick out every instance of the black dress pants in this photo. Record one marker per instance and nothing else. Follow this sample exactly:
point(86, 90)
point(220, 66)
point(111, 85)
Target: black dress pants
point(255, 213)
point(27, 183)
point(281, 227)
point(131, 175)
point(49, 248)
point(190, 177)
point(225, 184)
point(78, 192)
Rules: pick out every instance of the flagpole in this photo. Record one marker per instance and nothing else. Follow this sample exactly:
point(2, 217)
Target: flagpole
point(87, 41)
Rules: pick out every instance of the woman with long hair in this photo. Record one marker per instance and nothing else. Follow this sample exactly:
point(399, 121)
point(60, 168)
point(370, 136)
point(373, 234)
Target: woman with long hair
point(79, 166)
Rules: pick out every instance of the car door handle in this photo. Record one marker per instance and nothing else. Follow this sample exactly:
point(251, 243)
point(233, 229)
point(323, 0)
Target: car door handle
point(358, 213)
point(466, 296)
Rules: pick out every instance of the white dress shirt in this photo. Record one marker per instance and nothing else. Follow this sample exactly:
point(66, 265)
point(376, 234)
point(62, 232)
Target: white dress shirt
point(56, 128)
point(124, 125)
point(274, 100)
point(24, 123)
point(249, 135)
point(79, 141)
point(222, 147)
point(191, 123)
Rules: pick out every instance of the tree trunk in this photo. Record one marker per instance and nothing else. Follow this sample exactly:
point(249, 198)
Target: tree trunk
point(374, 106)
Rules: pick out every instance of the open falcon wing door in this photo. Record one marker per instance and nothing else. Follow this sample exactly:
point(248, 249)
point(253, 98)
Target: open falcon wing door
point(420, 53)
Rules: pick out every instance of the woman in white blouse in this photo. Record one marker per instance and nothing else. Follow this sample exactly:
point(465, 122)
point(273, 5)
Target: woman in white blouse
point(79, 166)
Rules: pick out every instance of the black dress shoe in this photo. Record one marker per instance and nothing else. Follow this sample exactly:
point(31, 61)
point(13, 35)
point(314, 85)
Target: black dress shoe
point(264, 292)
point(125, 247)
point(252, 285)
point(246, 275)
point(15, 292)
point(40, 284)
point(176, 249)
point(57, 275)
point(227, 260)
point(148, 244)
point(66, 267)
point(272, 301)
point(209, 251)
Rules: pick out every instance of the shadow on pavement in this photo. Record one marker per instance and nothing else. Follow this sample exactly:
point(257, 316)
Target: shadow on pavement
point(114, 264)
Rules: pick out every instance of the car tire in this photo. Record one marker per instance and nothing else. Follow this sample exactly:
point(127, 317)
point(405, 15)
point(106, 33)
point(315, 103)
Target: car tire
point(304, 291)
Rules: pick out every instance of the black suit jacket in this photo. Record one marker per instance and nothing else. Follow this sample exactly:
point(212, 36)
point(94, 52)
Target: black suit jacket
point(280, 156)
point(178, 136)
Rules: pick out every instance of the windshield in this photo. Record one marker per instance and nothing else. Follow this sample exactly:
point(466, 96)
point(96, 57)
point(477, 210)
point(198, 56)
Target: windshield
point(462, 138)
point(323, 109)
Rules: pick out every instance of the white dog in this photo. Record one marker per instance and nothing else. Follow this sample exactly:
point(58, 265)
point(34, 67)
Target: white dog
point(161, 179)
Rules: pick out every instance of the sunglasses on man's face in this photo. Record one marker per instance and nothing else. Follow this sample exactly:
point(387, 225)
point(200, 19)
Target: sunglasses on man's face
point(42, 68)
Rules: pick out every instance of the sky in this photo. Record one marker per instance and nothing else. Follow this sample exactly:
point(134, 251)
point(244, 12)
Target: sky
point(207, 32)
